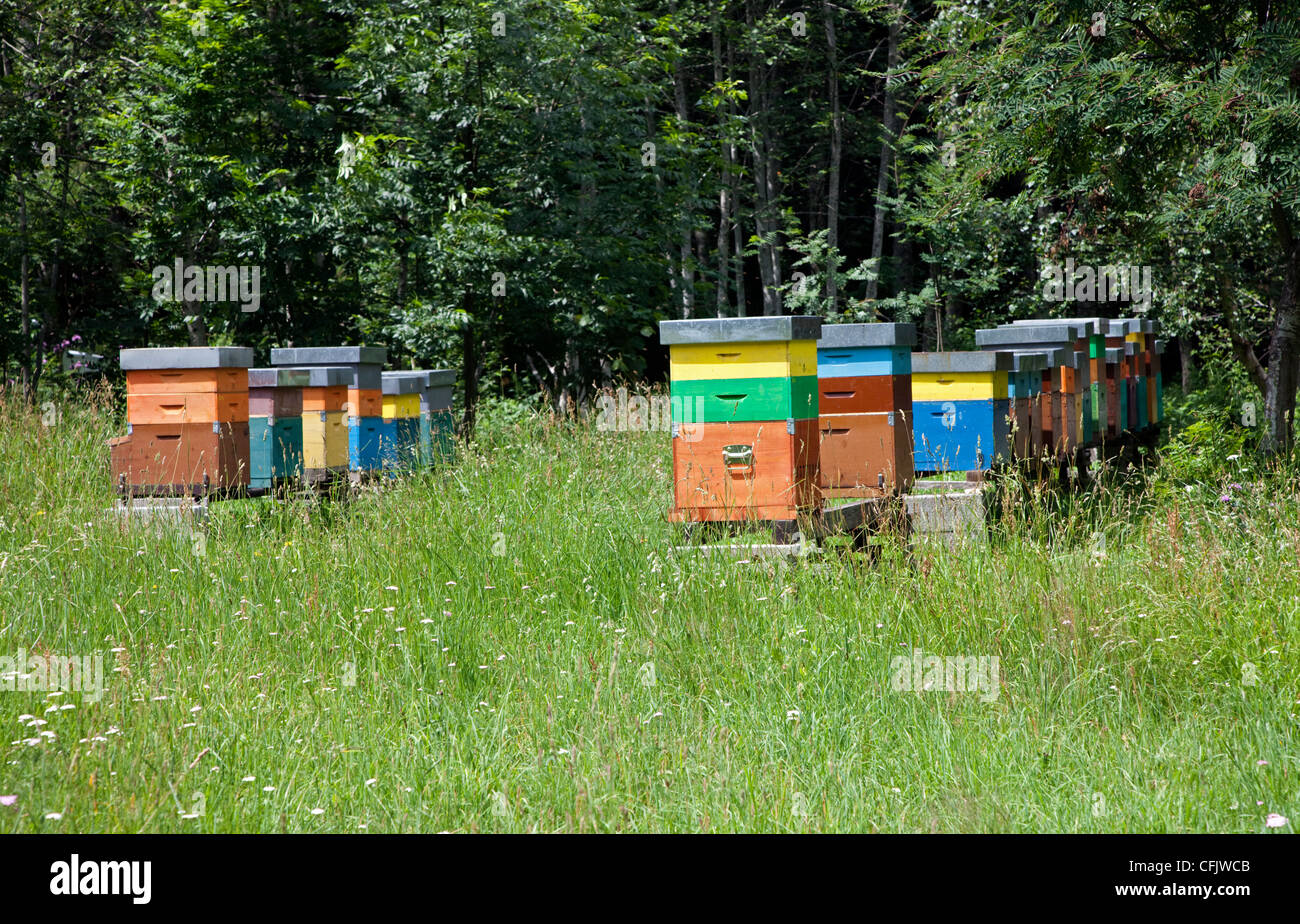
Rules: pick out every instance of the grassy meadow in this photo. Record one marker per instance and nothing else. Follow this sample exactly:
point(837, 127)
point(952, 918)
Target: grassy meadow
point(508, 644)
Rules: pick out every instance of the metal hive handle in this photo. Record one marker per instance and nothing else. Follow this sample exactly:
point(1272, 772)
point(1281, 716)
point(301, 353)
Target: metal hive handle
point(738, 455)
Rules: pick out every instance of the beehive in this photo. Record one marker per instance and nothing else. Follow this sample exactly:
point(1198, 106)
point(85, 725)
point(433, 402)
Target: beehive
point(1097, 375)
point(1085, 377)
point(1066, 389)
point(298, 429)
point(275, 425)
point(744, 399)
point(1025, 386)
point(187, 421)
point(961, 405)
point(1043, 389)
point(1135, 334)
point(1160, 380)
point(1095, 356)
point(436, 426)
point(1149, 330)
point(1116, 392)
point(864, 382)
point(1126, 334)
point(363, 405)
point(1125, 383)
point(399, 440)
point(1132, 384)
point(1089, 403)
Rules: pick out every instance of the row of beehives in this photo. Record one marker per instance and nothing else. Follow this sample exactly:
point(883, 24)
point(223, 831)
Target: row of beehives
point(200, 420)
point(770, 414)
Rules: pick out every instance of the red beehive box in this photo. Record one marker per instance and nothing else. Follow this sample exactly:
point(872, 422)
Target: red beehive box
point(864, 400)
point(181, 458)
point(857, 448)
point(865, 394)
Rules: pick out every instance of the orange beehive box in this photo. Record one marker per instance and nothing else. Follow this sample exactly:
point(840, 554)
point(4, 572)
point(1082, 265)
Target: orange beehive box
point(365, 402)
point(737, 470)
point(185, 381)
point(1066, 433)
point(1056, 406)
point(193, 407)
point(324, 398)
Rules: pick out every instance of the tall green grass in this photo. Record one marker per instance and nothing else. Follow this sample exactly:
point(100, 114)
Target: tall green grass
point(509, 643)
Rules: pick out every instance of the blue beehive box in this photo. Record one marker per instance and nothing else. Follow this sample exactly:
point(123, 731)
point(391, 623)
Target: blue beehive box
point(841, 362)
point(436, 425)
point(960, 407)
point(364, 435)
point(433, 437)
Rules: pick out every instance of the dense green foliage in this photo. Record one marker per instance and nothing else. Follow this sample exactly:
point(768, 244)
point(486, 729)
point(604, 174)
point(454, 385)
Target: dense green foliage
point(521, 189)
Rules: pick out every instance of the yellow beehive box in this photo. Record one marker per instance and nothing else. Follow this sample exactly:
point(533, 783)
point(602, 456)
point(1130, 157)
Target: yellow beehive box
point(325, 440)
point(742, 360)
point(958, 386)
point(395, 406)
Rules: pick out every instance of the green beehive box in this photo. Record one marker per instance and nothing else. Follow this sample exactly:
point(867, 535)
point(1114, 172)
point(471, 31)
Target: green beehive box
point(730, 400)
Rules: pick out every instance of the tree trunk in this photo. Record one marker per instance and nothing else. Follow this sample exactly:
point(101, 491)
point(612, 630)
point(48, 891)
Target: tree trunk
point(687, 266)
point(1185, 362)
point(733, 157)
point(1284, 347)
point(833, 172)
point(195, 327)
point(889, 129)
point(905, 259)
point(724, 187)
point(24, 300)
point(1242, 347)
point(55, 302)
point(469, 363)
point(951, 309)
point(765, 169)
